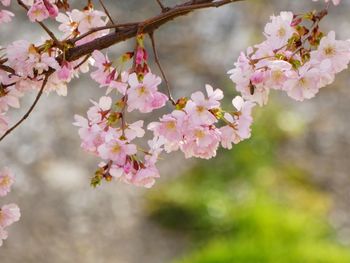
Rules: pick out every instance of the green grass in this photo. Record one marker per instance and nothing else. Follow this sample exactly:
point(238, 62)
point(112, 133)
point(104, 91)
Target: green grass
point(248, 206)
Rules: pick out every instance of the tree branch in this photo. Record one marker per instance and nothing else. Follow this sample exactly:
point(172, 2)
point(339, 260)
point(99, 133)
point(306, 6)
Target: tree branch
point(156, 58)
point(47, 30)
point(47, 75)
point(164, 9)
point(127, 31)
point(106, 11)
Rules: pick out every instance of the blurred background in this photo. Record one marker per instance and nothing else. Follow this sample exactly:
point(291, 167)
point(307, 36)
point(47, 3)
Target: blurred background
point(282, 196)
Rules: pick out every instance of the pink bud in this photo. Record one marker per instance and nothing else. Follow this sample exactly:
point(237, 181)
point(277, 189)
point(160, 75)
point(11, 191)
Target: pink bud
point(53, 10)
point(140, 55)
point(65, 72)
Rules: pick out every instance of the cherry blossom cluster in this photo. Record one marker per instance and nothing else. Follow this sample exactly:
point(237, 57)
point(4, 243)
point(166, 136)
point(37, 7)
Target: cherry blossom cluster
point(30, 63)
point(9, 213)
point(197, 125)
point(294, 58)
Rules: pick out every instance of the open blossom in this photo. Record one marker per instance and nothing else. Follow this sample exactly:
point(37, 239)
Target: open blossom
point(305, 85)
point(24, 57)
point(198, 107)
point(335, 2)
point(279, 30)
point(9, 99)
point(170, 126)
point(8, 215)
point(92, 135)
point(144, 95)
point(92, 130)
point(239, 124)
point(6, 181)
point(143, 173)
point(116, 150)
point(194, 132)
point(65, 73)
point(105, 73)
point(201, 142)
point(41, 10)
point(134, 130)
point(38, 12)
point(5, 16)
point(6, 2)
point(79, 22)
point(51, 8)
point(337, 51)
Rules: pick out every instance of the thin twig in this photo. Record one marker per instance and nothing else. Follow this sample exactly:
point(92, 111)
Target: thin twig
point(47, 75)
point(106, 11)
point(149, 25)
point(82, 62)
point(97, 29)
point(7, 69)
point(156, 58)
point(164, 9)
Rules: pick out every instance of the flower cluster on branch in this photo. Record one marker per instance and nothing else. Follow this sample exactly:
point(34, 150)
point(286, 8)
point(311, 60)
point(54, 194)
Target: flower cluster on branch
point(8, 213)
point(296, 57)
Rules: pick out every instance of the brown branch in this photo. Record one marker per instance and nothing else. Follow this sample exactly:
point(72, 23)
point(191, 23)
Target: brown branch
point(106, 11)
point(7, 69)
point(47, 75)
point(129, 31)
point(164, 9)
point(156, 58)
point(82, 62)
point(122, 33)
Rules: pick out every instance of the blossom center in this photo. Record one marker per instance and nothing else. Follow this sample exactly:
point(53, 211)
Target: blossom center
point(199, 134)
point(200, 109)
point(282, 32)
point(142, 90)
point(117, 149)
point(171, 125)
point(5, 181)
point(329, 51)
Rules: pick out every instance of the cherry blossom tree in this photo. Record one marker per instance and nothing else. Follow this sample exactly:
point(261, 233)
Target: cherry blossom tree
point(296, 57)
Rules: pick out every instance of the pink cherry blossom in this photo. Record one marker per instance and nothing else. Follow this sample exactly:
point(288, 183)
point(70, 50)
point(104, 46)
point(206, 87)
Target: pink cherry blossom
point(65, 73)
point(239, 124)
point(116, 150)
point(144, 95)
point(198, 107)
point(337, 51)
point(171, 126)
point(201, 142)
point(6, 181)
point(9, 99)
point(38, 12)
point(8, 215)
point(5, 16)
point(279, 30)
point(6, 2)
point(51, 8)
point(305, 85)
